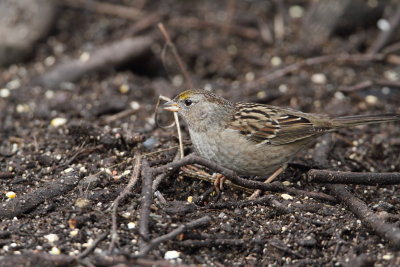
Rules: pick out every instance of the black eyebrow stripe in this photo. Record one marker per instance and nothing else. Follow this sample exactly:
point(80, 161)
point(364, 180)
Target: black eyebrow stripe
point(257, 111)
point(249, 117)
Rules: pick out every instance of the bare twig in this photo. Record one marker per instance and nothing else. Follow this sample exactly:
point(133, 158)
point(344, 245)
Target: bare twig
point(125, 12)
point(368, 83)
point(313, 61)
point(245, 32)
point(132, 181)
point(230, 12)
point(119, 116)
point(384, 36)
point(365, 178)
point(105, 57)
point(231, 175)
point(196, 223)
point(386, 231)
point(178, 59)
point(89, 249)
point(29, 201)
point(146, 200)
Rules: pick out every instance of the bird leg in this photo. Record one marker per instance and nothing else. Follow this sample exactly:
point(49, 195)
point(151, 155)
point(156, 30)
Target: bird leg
point(219, 182)
point(270, 179)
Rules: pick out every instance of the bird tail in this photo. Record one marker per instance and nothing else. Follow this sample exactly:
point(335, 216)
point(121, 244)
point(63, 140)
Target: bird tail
point(349, 121)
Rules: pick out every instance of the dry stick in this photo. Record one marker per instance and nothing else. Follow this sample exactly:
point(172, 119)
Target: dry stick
point(368, 83)
point(126, 12)
point(231, 7)
point(144, 23)
point(146, 200)
point(89, 249)
point(191, 22)
point(313, 61)
point(176, 119)
point(119, 116)
point(195, 223)
point(385, 230)
point(132, 181)
point(176, 55)
point(364, 178)
point(385, 36)
point(231, 175)
point(17, 206)
point(109, 56)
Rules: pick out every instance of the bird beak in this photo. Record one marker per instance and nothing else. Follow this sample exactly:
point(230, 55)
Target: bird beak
point(171, 106)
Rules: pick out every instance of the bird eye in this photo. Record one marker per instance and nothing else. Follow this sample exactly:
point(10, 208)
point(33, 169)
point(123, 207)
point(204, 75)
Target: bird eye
point(188, 102)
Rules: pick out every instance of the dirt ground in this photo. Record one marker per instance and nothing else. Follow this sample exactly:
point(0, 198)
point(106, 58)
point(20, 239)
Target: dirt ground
point(68, 149)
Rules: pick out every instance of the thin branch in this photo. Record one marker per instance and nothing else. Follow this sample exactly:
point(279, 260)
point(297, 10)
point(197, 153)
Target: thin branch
point(385, 36)
point(364, 178)
point(89, 249)
point(385, 230)
point(132, 181)
point(125, 12)
point(196, 223)
point(313, 61)
point(231, 175)
point(176, 55)
point(146, 200)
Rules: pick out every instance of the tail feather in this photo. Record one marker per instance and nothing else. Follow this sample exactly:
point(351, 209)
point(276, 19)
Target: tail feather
point(349, 121)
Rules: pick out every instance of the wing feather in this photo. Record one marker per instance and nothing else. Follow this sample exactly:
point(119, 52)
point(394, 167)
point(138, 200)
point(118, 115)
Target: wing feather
point(271, 125)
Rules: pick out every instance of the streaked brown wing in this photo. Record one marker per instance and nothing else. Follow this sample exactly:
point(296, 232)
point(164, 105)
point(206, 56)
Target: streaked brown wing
point(271, 125)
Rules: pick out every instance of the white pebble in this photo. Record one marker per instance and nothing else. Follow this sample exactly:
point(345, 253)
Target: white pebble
point(383, 25)
point(84, 57)
point(134, 105)
point(51, 238)
point(55, 251)
point(57, 122)
point(22, 108)
point(296, 11)
point(131, 225)
point(171, 255)
point(387, 257)
point(371, 99)
point(276, 61)
point(286, 196)
point(74, 232)
point(4, 93)
point(318, 78)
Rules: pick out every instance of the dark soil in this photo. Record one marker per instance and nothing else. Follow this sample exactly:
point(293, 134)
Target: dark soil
point(70, 175)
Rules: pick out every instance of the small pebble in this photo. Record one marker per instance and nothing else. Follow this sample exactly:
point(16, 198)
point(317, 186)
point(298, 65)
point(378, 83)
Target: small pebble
point(57, 122)
point(383, 25)
point(11, 194)
point(55, 251)
point(387, 257)
point(52, 238)
point(84, 57)
point(318, 78)
point(371, 99)
point(74, 232)
point(22, 108)
point(150, 143)
point(124, 89)
point(286, 196)
point(296, 11)
point(4, 93)
point(131, 225)
point(276, 61)
point(171, 255)
point(134, 105)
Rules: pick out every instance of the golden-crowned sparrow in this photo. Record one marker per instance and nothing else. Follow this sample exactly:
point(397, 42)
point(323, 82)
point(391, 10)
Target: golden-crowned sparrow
point(250, 138)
